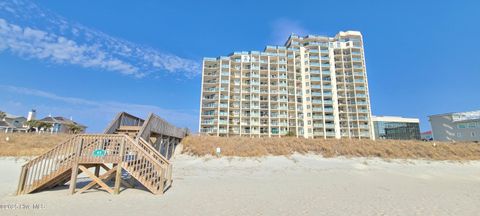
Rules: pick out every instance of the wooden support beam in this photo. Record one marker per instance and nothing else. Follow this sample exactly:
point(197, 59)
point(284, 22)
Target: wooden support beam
point(168, 147)
point(96, 179)
point(73, 178)
point(105, 177)
point(118, 175)
point(97, 170)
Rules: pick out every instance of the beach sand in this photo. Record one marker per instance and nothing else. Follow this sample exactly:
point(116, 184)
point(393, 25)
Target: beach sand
point(295, 185)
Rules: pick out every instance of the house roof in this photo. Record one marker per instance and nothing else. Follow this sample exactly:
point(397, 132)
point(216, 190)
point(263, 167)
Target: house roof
point(5, 124)
point(60, 120)
point(10, 116)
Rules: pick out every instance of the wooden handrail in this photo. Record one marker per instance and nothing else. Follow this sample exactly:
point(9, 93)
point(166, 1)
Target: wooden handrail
point(143, 143)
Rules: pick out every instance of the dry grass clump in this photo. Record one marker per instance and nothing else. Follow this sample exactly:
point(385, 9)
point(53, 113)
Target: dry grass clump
point(21, 144)
point(388, 149)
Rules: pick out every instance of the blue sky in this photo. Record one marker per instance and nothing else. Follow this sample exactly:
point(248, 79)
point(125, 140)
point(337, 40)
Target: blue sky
point(89, 60)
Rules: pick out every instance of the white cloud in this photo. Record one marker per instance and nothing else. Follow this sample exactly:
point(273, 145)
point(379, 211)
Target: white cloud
point(282, 28)
point(33, 32)
point(96, 114)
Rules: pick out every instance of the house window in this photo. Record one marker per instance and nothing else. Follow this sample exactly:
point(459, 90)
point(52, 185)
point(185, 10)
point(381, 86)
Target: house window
point(459, 134)
point(473, 134)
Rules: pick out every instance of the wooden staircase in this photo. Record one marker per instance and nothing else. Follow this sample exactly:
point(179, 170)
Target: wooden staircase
point(137, 157)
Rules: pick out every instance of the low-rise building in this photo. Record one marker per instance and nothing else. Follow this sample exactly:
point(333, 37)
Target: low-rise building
point(12, 123)
point(394, 127)
point(63, 125)
point(456, 126)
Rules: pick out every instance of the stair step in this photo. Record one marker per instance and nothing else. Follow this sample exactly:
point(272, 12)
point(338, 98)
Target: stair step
point(129, 128)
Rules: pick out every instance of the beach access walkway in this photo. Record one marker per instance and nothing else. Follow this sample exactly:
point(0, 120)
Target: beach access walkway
point(130, 151)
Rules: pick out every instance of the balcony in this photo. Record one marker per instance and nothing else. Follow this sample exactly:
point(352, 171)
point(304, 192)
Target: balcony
point(329, 125)
point(208, 122)
point(207, 130)
point(357, 66)
point(330, 134)
point(213, 105)
point(329, 117)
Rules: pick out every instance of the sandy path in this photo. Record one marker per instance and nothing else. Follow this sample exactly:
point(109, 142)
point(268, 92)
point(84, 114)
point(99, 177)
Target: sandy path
point(300, 185)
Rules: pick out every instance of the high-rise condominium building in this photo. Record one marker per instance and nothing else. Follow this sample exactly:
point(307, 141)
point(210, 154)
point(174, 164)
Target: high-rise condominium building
point(313, 87)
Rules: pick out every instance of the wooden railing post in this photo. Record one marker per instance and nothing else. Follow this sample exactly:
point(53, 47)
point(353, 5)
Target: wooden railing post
point(118, 174)
point(21, 183)
point(73, 178)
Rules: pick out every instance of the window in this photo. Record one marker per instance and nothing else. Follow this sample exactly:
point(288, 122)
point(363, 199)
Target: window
point(459, 134)
point(461, 126)
point(473, 134)
point(472, 125)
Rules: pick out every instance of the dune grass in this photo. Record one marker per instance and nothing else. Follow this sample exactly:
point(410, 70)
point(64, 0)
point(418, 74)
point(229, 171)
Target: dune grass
point(21, 144)
point(35, 144)
point(387, 149)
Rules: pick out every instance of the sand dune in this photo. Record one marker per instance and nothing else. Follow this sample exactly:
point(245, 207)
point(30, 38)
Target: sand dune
point(298, 185)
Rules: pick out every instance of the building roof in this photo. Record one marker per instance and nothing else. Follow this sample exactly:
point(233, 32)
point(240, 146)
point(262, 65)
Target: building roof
point(461, 116)
point(395, 119)
point(5, 124)
point(10, 116)
point(60, 120)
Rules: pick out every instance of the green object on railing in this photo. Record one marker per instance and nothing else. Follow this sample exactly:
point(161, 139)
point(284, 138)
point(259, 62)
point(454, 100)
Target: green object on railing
point(99, 153)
